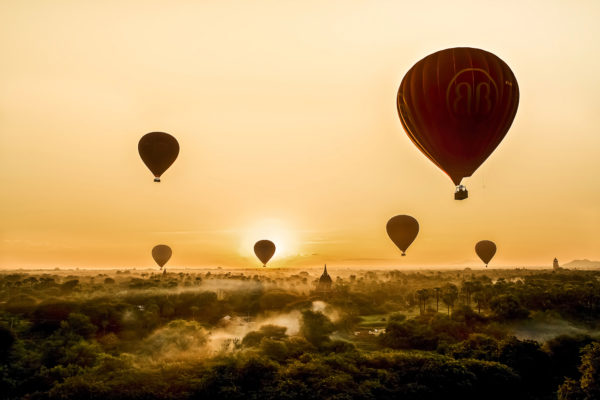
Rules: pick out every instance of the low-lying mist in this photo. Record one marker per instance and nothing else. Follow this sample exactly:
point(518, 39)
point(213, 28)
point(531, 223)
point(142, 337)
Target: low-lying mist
point(544, 326)
point(185, 340)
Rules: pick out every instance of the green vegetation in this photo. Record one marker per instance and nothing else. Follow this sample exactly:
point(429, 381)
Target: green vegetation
point(516, 334)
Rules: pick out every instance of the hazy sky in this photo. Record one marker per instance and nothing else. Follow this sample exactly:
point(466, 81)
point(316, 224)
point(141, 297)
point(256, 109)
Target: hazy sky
point(286, 116)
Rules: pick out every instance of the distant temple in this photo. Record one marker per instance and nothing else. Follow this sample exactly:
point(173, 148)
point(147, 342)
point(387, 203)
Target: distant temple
point(555, 265)
point(325, 282)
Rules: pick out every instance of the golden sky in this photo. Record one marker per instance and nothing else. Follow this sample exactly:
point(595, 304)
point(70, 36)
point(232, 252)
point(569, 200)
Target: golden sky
point(286, 116)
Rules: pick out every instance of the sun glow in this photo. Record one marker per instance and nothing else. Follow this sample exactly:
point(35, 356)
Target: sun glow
point(274, 230)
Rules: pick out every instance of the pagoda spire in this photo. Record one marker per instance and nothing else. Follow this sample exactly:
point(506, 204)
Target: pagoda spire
point(325, 282)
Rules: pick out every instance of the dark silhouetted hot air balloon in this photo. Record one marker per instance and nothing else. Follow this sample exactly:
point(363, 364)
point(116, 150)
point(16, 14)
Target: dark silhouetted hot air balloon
point(161, 254)
point(264, 250)
point(403, 230)
point(158, 151)
point(485, 249)
point(457, 105)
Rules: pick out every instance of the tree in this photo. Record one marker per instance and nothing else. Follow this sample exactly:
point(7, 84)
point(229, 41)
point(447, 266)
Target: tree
point(528, 360)
point(423, 295)
point(570, 390)
point(467, 289)
point(590, 371)
point(507, 307)
point(565, 355)
point(7, 339)
point(315, 327)
point(449, 296)
point(177, 336)
point(254, 338)
point(410, 334)
point(274, 349)
point(437, 291)
point(478, 346)
point(588, 387)
point(482, 298)
point(80, 325)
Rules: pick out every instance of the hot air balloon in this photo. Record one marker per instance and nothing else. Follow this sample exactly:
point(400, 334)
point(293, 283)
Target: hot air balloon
point(158, 151)
point(485, 249)
point(264, 250)
point(161, 254)
point(403, 230)
point(456, 105)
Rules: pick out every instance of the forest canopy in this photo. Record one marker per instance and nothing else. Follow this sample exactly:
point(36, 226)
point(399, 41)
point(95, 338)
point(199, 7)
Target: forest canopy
point(494, 334)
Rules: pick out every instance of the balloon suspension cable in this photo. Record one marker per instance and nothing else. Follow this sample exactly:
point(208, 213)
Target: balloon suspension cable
point(157, 179)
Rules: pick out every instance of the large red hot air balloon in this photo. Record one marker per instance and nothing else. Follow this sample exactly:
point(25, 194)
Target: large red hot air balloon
point(457, 105)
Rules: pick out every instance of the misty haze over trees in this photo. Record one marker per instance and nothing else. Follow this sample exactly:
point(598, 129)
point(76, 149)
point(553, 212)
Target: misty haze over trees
point(491, 334)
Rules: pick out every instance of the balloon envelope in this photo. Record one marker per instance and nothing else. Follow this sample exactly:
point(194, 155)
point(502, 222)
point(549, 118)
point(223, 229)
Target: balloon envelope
point(264, 250)
point(456, 105)
point(485, 249)
point(403, 230)
point(161, 254)
point(158, 151)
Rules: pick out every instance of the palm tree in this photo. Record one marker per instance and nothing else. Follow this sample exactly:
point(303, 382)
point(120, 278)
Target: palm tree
point(422, 296)
point(467, 288)
point(482, 296)
point(449, 296)
point(437, 292)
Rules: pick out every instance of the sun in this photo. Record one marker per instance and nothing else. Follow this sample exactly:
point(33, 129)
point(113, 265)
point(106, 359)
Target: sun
point(275, 230)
